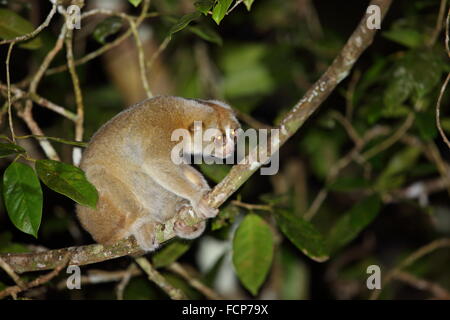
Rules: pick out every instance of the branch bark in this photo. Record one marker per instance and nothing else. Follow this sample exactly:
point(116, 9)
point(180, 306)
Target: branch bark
point(360, 40)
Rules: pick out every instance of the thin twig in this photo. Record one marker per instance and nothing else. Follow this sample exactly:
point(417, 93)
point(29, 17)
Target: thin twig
point(14, 290)
point(234, 7)
point(36, 98)
point(444, 86)
point(27, 114)
point(8, 81)
point(79, 129)
point(194, 282)
point(439, 23)
point(336, 169)
point(250, 206)
point(141, 57)
point(106, 47)
point(102, 276)
point(158, 51)
point(421, 284)
point(413, 257)
point(252, 122)
point(331, 176)
point(48, 59)
point(48, 149)
point(11, 273)
point(156, 277)
point(433, 154)
point(351, 131)
point(350, 95)
point(53, 106)
point(391, 140)
point(438, 112)
point(36, 31)
point(120, 288)
point(133, 27)
point(418, 190)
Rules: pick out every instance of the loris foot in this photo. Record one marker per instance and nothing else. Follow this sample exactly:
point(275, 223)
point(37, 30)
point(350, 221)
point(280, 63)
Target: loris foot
point(145, 236)
point(203, 210)
point(181, 228)
point(185, 231)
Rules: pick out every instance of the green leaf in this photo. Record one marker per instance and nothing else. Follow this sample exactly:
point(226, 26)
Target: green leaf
point(60, 140)
point(322, 149)
point(135, 2)
point(303, 235)
point(248, 4)
point(69, 142)
point(353, 222)
point(7, 149)
point(184, 21)
point(400, 87)
point(207, 34)
point(67, 180)
point(295, 275)
point(400, 163)
point(7, 246)
point(12, 25)
point(408, 37)
point(252, 252)
point(23, 197)
point(426, 123)
point(415, 75)
point(204, 6)
point(371, 76)
point(276, 199)
point(107, 27)
point(225, 217)
point(244, 64)
point(220, 10)
point(215, 172)
point(170, 253)
point(139, 290)
point(426, 70)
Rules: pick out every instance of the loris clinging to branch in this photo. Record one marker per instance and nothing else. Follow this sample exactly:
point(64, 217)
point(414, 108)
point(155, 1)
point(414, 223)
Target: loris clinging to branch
point(129, 162)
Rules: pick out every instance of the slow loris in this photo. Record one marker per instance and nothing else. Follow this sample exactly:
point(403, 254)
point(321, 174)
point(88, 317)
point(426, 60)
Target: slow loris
point(129, 162)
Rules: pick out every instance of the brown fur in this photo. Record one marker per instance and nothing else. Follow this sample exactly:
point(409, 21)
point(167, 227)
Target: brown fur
point(128, 160)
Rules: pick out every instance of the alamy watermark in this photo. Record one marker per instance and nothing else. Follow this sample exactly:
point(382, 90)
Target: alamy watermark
point(374, 280)
point(74, 280)
point(72, 14)
point(374, 20)
point(213, 146)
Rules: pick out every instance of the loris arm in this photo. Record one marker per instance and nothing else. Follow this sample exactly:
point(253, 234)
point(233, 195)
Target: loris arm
point(184, 181)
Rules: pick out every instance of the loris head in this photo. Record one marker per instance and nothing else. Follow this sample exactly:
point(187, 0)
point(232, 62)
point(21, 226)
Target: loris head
point(215, 123)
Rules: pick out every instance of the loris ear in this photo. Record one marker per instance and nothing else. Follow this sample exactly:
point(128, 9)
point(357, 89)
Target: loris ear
point(219, 103)
point(214, 104)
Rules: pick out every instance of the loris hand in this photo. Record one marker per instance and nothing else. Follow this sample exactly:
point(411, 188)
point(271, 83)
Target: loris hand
point(203, 210)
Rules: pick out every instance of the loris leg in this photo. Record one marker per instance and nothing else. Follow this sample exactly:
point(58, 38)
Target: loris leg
point(185, 182)
point(145, 236)
point(204, 210)
point(117, 208)
point(181, 228)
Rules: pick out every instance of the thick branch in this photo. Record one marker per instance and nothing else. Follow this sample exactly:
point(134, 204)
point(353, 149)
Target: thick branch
point(361, 38)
